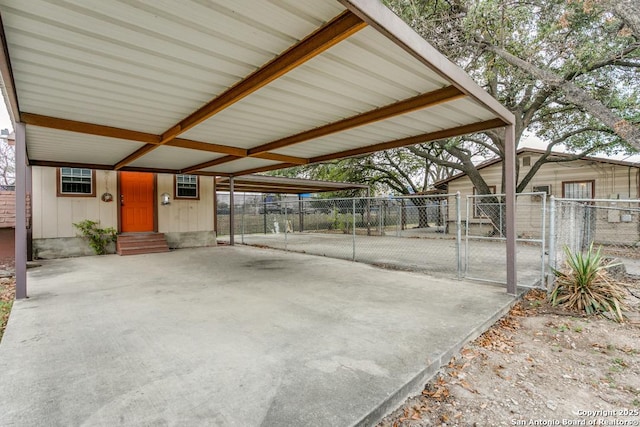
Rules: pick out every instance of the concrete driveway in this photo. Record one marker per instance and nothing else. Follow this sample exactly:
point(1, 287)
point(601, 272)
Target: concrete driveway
point(229, 336)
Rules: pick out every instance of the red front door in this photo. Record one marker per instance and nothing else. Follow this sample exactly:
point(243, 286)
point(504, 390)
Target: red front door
point(136, 201)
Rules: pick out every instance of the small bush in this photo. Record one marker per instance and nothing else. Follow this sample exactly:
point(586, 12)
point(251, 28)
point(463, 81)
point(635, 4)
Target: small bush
point(98, 238)
point(585, 285)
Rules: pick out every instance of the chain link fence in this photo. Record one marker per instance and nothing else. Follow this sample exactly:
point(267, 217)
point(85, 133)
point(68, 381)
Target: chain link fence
point(411, 233)
point(442, 234)
point(415, 233)
point(611, 224)
point(485, 238)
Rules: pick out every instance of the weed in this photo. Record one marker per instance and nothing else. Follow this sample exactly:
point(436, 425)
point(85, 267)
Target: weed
point(98, 237)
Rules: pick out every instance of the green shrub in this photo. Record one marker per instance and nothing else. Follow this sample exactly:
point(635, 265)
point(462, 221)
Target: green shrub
point(585, 285)
point(98, 238)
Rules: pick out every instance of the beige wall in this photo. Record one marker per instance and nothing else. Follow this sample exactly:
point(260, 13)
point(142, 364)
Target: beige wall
point(53, 216)
point(610, 180)
point(185, 215)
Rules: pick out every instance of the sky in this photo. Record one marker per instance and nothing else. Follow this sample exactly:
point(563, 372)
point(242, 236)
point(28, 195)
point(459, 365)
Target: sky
point(5, 121)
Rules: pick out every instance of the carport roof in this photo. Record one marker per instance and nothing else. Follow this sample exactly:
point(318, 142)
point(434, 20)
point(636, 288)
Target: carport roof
point(226, 88)
point(283, 185)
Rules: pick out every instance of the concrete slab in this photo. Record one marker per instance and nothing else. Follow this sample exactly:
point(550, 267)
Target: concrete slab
point(229, 336)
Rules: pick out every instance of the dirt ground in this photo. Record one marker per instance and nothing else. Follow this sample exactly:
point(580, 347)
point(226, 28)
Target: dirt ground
point(538, 366)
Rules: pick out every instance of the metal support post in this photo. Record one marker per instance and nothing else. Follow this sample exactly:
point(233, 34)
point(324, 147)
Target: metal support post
point(244, 206)
point(232, 209)
point(544, 231)
point(458, 235)
point(510, 200)
point(215, 207)
point(21, 212)
point(286, 224)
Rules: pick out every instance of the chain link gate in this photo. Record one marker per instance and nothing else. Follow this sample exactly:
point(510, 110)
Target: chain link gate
point(485, 256)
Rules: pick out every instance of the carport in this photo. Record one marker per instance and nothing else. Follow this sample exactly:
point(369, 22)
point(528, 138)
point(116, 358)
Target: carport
point(227, 89)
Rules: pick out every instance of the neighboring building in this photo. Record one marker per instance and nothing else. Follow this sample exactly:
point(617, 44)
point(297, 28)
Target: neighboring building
point(587, 178)
point(7, 224)
point(180, 206)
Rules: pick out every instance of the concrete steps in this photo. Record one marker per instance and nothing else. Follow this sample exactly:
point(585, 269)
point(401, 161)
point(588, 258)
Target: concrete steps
point(141, 243)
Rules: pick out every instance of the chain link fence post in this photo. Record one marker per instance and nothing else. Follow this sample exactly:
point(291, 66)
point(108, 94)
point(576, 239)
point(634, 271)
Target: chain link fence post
point(286, 224)
point(353, 229)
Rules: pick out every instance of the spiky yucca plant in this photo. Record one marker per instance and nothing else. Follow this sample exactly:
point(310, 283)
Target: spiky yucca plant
point(586, 286)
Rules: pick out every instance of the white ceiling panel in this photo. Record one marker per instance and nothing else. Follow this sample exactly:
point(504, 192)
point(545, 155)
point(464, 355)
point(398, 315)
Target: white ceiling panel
point(63, 146)
point(240, 165)
point(147, 65)
point(173, 158)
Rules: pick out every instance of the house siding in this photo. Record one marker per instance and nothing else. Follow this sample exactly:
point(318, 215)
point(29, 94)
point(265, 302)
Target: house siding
point(54, 216)
point(185, 215)
point(186, 223)
point(611, 181)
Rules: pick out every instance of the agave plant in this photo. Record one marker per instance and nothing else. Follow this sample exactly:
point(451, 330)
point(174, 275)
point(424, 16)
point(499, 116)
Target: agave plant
point(585, 285)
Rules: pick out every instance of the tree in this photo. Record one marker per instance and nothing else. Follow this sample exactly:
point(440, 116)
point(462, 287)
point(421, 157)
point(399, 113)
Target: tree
point(7, 164)
point(578, 85)
point(567, 70)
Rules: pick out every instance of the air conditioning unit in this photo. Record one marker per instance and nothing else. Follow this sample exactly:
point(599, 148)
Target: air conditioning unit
point(542, 189)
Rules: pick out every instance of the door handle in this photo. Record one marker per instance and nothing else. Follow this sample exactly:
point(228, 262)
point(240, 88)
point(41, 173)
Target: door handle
point(122, 200)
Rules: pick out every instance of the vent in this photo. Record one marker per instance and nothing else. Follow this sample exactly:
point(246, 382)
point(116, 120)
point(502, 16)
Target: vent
point(526, 161)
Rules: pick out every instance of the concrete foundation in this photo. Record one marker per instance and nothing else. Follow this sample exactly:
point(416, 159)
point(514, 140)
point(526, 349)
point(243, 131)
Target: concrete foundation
point(190, 239)
point(65, 247)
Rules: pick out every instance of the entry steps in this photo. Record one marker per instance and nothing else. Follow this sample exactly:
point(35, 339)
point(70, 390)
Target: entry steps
point(141, 243)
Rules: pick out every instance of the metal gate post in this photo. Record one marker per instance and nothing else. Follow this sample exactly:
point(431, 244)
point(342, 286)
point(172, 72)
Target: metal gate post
point(458, 235)
point(398, 220)
point(286, 224)
point(552, 240)
point(466, 240)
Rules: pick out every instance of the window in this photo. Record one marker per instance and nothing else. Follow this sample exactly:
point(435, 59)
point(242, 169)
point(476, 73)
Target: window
point(526, 161)
point(76, 182)
point(483, 205)
point(187, 187)
point(578, 189)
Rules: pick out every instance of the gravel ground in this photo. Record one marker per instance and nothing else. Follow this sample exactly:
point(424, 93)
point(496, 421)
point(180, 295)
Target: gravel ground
point(538, 366)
